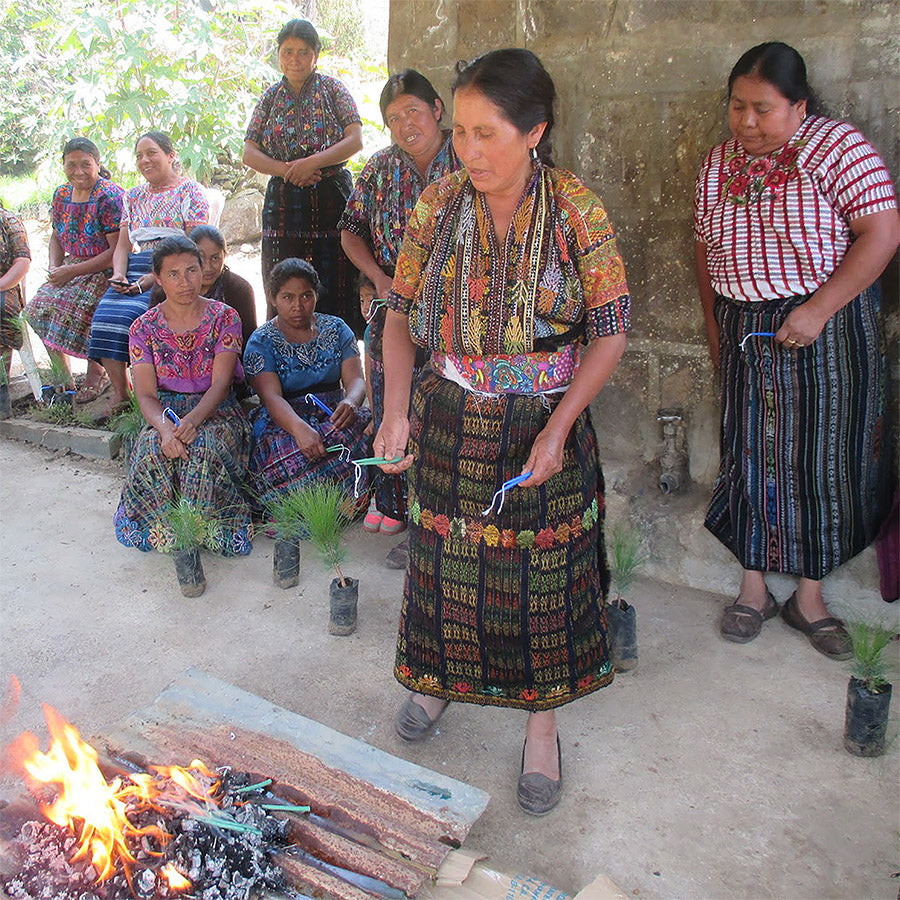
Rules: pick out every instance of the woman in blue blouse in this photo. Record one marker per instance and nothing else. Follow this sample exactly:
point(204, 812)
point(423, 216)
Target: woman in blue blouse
point(296, 355)
point(301, 133)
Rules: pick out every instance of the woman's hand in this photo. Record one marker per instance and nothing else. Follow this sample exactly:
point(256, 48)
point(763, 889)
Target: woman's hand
point(546, 457)
point(172, 447)
point(308, 440)
point(804, 323)
point(390, 442)
point(303, 172)
point(186, 432)
point(344, 414)
point(60, 275)
point(120, 283)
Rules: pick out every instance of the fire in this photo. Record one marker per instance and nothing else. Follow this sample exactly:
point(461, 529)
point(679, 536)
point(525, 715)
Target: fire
point(174, 879)
point(96, 811)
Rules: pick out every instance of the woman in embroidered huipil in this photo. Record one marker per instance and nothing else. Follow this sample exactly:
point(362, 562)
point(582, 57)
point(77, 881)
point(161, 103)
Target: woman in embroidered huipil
point(795, 218)
point(185, 356)
point(299, 354)
point(301, 133)
point(372, 230)
point(86, 216)
point(510, 276)
point(167, 204)
point(15, 260)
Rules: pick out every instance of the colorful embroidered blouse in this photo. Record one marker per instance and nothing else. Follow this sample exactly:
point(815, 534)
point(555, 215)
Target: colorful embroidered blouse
point(149, 215)
point(557, 280)
point(290, 126)
point(385, 195)
point(301, 366)
point(81, 227)
point(779, 225)
point(13, 245)
point(184, 362)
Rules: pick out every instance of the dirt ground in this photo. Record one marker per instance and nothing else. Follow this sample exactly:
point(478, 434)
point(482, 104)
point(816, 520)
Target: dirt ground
point(713, 771)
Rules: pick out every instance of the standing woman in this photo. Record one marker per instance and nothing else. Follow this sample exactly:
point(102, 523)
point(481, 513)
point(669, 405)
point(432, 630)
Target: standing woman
point(165, 205)
point(86, 216)
point(509, 274)
point(795, 218)
point(301, 133)
point(372, 230)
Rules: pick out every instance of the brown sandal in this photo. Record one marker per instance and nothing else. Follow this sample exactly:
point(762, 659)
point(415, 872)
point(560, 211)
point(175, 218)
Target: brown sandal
point(741, 623)
point(829, 635)
point(87, 393)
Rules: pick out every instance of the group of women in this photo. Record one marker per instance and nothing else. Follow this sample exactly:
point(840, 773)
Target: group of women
point(506, 313)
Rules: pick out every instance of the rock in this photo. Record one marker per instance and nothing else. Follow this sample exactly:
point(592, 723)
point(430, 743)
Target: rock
point(242, 217)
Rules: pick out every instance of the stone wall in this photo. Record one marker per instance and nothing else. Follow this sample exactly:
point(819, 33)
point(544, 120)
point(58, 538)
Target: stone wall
point(642, 97)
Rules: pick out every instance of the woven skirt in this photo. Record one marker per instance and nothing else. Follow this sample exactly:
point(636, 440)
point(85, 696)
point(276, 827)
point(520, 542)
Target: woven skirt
point(115, 312)
point(804, 481)
point(504, 609)
point(301, 222)
point(277, 464)
point(212, 478)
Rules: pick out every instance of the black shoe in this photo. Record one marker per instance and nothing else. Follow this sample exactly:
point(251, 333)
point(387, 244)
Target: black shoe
point(537, 794)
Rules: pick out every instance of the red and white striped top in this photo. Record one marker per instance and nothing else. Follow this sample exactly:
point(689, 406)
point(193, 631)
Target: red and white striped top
point(778, 225)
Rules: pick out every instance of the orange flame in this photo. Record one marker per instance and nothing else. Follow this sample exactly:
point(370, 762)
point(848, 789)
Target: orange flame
point(174, 879)
point(94, 810)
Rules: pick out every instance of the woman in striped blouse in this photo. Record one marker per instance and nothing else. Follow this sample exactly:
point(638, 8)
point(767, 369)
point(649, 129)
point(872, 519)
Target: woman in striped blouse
point(795, 218)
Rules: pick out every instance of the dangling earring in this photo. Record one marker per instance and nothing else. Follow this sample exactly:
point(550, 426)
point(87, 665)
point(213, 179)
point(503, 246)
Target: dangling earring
point(534, 154)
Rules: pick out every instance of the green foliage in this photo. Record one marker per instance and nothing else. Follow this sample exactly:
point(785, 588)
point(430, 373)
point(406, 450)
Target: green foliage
point(54, 414)
point(627, 554)
point(113, 69)
point(323, 511)
point(285, 514)
point(868, 664)
point(129, 422)
point(58, 371)
point(186, 525)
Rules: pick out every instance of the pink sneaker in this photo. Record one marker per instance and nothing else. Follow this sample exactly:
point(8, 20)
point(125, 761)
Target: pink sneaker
point(391, 526)
point(373, 519)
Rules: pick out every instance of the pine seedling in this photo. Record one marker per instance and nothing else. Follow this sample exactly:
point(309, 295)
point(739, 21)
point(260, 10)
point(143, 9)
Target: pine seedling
point(868, 664)
point(323, 510)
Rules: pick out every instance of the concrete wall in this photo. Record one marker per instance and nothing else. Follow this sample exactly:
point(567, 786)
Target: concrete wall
point(641, 98)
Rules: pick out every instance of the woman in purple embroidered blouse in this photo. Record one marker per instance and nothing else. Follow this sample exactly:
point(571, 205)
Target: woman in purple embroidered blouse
point(301, 133)
point(185, 354)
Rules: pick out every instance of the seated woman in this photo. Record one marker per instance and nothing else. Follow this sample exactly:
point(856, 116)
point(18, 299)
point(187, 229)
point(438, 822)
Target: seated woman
point(219, 282)
point(185, 354)
point(302, 353)
point(86, 217)
point(165, 205)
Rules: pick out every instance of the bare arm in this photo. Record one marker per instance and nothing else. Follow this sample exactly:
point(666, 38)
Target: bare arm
point(60, 274)
point(254, 158)
point(15, 273)
point(143, 376)
point(399, 360)
point(360, 255)
point(268, 386)
point(596, 365)
point(354, 393)
point(55, 250)
point(707, 301)
point(877, 238)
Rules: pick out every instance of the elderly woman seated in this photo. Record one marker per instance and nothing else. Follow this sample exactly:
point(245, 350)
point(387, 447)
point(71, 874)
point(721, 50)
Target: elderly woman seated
point(185, 354)
point(297, 356)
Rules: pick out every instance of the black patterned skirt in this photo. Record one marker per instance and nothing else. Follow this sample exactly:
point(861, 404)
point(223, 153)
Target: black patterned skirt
point(804, 481)
point(506, 609)
point(301, 222)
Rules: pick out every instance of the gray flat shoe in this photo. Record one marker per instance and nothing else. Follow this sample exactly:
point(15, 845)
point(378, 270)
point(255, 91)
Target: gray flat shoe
point(537, 794)
point(412, 722)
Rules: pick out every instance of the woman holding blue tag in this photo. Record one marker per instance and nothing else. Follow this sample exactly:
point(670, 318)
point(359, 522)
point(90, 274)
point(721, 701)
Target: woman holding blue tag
point(795, 218)
point(185, 355)
point(305, 366)
point(510, 276)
